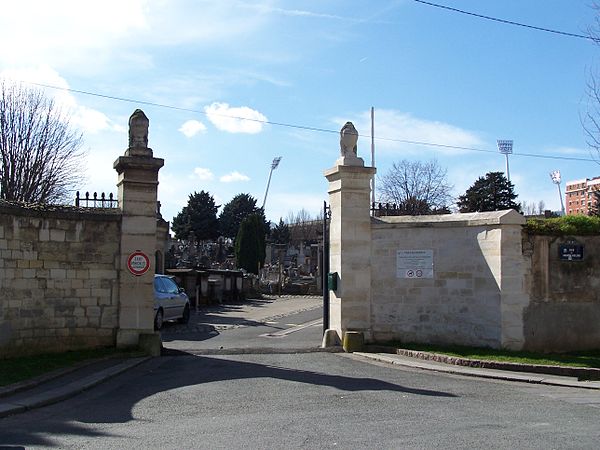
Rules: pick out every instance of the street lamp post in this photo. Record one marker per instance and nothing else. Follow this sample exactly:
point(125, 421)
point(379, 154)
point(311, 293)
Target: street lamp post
point(555, 176)
point(506, 148)
point(274, 165)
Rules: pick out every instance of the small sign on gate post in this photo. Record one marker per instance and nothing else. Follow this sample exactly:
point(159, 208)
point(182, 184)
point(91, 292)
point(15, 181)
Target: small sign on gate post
point(138, 263)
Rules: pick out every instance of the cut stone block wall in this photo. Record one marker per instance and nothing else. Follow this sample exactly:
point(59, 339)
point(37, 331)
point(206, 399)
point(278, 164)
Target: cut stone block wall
point(58, 278)
point(475, 279)
point(475, 294)
point(494, 285)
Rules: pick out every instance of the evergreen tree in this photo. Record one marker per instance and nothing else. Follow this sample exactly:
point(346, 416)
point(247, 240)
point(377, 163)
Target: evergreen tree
point(250, 244)
point(234, 212)
point(490, 193)
point(280, 234)
point(198, 217)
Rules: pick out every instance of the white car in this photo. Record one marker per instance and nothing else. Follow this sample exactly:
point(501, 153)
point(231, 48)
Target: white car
point(170, 301)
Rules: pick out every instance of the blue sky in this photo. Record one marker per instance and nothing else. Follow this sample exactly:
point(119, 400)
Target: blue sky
point(432, 76)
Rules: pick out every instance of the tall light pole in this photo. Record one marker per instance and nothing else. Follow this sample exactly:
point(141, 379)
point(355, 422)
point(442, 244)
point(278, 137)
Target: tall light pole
point(505, 147)
point(555, 175)
point(373, 154)
point(274, 165)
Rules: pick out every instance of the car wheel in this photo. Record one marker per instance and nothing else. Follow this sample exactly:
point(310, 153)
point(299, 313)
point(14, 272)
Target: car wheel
point(158, 319)
point(186, 315)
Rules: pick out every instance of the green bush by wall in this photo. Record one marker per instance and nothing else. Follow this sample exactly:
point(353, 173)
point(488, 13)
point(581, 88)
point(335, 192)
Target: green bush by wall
point(567, 225)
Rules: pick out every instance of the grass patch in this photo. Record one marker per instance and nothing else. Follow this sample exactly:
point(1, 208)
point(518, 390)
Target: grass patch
point(566, 225)
point(589, 359)
point(14, 370)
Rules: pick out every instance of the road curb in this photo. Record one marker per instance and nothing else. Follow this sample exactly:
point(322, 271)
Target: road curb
point(581, 373)
point(48, 397)
point(480, 372)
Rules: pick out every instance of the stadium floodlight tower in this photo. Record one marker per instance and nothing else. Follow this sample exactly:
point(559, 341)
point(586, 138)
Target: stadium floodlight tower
point(274, 165)
point(555, 175)
point(505, 147)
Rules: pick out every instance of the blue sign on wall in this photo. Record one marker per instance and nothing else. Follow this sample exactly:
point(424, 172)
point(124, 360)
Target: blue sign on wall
point(570, 252)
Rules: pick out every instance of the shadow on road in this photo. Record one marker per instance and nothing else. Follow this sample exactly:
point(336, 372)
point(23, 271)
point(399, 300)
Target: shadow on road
point(114, 403)
point(207, 322)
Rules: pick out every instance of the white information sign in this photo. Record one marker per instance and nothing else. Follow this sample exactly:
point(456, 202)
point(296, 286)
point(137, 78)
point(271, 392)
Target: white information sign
point(414, 264)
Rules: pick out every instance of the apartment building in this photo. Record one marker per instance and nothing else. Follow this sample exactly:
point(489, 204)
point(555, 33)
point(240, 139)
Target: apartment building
point(579, 195)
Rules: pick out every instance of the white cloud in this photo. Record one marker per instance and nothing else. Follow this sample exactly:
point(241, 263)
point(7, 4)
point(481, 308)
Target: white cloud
point(192, 127)
point(91, 120)
point(396, 131)
point(84, 35)
point(233, 177)
point(203, 174)
point(66, 30)
point(86, 119)
point(235, 119)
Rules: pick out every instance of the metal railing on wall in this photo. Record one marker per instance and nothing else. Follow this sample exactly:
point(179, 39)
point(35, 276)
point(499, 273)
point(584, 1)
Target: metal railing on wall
point(96, 201)
point(385, 209)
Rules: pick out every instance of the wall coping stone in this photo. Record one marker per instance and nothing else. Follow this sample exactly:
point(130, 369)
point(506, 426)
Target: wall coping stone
point(507, 217)
point(59, 211)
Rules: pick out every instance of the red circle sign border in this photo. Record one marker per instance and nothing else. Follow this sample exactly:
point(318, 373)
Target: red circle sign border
point(134, 271)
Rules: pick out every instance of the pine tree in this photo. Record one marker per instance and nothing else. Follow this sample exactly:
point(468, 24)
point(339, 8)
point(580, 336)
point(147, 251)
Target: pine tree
point(280, 234)
point(490, 193)
point(234, 212)
point(198, 217)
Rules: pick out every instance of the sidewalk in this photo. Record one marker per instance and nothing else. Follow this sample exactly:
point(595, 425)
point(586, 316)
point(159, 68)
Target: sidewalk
point(61, 384)
point(528, 373)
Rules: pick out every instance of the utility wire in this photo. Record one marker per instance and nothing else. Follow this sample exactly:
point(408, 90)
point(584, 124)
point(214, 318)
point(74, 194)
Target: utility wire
point(177, 108)
point(508, 22)
point(307, 128)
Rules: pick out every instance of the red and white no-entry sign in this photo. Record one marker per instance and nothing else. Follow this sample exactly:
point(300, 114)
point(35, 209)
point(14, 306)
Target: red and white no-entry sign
point(138, 263)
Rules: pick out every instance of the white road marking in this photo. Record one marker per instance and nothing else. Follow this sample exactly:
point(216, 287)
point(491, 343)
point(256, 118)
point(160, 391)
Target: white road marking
point(284, 333)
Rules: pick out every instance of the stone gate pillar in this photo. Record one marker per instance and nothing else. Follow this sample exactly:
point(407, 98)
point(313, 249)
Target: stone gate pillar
point(350, 238)
point(137, 192)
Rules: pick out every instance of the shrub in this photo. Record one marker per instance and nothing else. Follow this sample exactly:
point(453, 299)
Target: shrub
point(566, 225)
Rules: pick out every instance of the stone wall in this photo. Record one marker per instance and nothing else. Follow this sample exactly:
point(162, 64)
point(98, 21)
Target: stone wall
point(474, 297)
point(470, 279)
point(58, 278)
point(564, 309)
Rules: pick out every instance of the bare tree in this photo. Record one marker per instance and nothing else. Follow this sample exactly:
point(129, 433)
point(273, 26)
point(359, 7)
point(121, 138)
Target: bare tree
point(528, 208)
point(301, 225)
point(541, 207)
point(40, 154)
point(417, 187)
point(590, 119)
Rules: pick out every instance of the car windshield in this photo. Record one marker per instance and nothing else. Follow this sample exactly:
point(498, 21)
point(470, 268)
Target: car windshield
point(170, 286)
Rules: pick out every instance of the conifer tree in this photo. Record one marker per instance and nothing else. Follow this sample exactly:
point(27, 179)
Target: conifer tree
point(250, 244)
point(490, 193)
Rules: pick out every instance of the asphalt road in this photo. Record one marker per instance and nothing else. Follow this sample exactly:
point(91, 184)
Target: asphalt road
point(310, 400)
point(293, 323)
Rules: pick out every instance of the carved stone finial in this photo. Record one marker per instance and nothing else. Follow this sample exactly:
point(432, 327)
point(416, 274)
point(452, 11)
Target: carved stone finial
point(348, 140)
point(138, 130)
